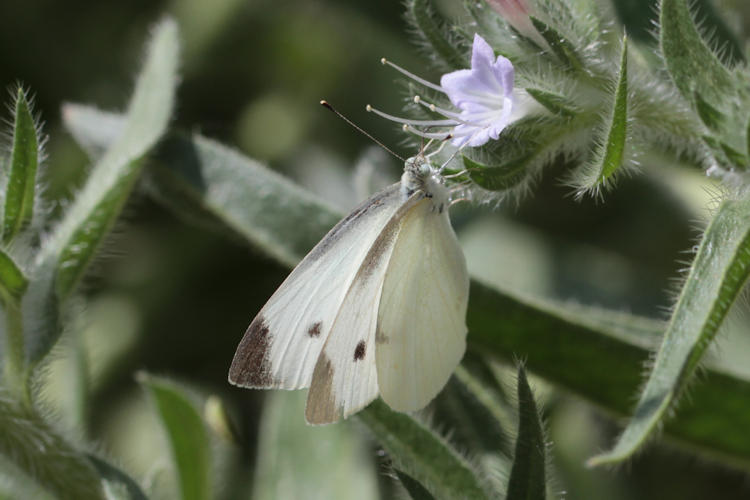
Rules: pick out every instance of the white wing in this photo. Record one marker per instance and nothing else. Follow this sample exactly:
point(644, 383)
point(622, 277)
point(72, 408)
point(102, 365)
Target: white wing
point(345, 377)
point(421, 332)
point(283, 342)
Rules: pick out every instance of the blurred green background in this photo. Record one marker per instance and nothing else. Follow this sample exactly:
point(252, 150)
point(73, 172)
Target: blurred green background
point(172, 299)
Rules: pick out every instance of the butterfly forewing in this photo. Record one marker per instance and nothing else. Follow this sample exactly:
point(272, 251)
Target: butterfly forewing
point(345, 376)
point(421, 333)
point(283, 342)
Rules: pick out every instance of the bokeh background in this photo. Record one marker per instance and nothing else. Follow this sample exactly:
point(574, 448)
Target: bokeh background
point(174, 299)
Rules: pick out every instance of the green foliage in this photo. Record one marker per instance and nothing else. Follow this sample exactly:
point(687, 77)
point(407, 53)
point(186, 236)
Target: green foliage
point(589, 99)
point(609, 158)
point(68, 251)
point(434, 33)
point(560, 46)
point(12, 281)
point(24, 161)
point(187, 437)
point(718, 96)
point(415, 489)
point(37, 272)
point(717, 277)
point(527, 477)
point(29, 442)
point(422, 453)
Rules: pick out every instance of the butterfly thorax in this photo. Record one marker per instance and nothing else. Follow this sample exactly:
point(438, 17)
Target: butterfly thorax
point(419, 175)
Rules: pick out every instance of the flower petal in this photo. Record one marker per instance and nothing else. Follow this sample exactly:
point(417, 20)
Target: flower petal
point(504, 73)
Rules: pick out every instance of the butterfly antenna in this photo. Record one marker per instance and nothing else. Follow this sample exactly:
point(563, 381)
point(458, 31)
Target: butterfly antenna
point(327, 105)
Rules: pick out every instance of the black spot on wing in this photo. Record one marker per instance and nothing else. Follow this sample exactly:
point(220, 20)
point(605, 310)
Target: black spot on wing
point(314, 330)
point(359, 351)
point(251, 366)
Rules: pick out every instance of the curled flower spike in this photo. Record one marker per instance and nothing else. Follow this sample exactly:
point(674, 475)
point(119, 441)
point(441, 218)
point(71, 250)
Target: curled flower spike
point(482, 96)
point(516, 13)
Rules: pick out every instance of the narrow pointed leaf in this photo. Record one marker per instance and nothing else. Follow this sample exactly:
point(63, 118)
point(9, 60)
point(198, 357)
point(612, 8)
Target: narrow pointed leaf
point(415, 489)
point(187, 436)
point(32, 445)
point(594, 357)
point(24, 159)
point(527, 476)
point(13, 283)
point(614, 150)
point(72, 245)
point(690, 62)
point(561, 46)
point(719, 272)
point(611, 154)
point(422, 453)
point(86, 224)
point(432, 28)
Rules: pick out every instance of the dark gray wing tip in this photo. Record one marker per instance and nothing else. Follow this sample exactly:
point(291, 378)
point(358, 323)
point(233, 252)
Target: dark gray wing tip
point(251, 366)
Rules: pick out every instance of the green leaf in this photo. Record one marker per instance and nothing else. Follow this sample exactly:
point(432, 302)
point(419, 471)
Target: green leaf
point(432, 29)
point(474, 426)
point(554, 103)
point(614, 149)
point(524, 148)
point(24, 159)
point(98, 205)
point(560, 46)
point(13, 283)
point(598, 358)
point(736, 158)
point(498, 177)
point(610, 154)
point(203, 179)
point(719, 272)
point(690, 62)
point(527, 476)
point(117, 484)
point(32, 445)
point(422, 453)
point(93, 129)
point(473, 410)
point(186, 434)
point(295, 459)
point(411, 485)
point(65, 255)
point(709, 115)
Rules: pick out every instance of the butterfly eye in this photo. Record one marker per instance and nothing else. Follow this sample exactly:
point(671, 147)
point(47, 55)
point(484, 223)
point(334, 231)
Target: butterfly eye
point(424, 169)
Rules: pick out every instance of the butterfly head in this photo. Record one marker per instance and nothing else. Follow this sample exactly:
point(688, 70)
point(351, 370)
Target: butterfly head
point(420, 175)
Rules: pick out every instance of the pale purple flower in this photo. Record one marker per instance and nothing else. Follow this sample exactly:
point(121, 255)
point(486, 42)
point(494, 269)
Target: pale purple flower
point(483, 99)
point(484, 94)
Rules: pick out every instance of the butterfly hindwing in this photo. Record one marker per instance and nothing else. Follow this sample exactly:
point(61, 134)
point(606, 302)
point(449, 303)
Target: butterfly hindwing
point(421, 333)
point(345, 376)
point(282, 344)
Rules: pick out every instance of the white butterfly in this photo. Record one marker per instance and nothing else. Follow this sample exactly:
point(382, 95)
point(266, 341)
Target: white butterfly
point(378, 306)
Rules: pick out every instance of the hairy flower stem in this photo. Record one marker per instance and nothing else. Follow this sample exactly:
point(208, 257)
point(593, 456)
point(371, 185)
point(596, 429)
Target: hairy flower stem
point(15, 369)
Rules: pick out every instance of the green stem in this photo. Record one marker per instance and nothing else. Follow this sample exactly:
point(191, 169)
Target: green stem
point(15, 357)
